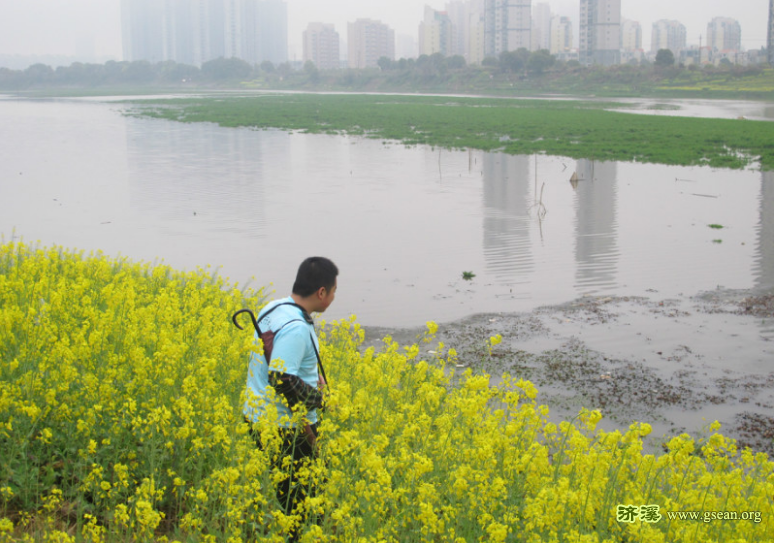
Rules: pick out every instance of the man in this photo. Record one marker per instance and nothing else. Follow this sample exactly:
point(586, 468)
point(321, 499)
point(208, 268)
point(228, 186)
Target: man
point(289, 366)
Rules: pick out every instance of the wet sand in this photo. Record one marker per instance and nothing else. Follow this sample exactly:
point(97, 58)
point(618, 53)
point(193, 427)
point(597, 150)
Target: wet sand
point(678, 364)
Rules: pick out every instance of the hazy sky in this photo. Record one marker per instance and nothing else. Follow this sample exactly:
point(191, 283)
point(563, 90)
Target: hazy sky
point(65, 27)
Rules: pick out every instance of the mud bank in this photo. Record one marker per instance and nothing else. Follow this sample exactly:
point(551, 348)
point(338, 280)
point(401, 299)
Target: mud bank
point(678, 364)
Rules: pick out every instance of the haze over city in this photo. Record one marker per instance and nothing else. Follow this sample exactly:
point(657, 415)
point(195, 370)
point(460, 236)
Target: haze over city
point(92, 28)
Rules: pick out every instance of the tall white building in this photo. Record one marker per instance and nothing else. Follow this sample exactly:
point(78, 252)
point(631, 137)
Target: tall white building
point(143, 30)
point(457, 12)
point(321, 46)
point(561, 36)
point(476, 40)
point(508, 25)
point(541, 26)
point(771, 32)
point(467, 23)
point(368, 41)
point(600, 32)
point(668, 35)
point(724, 34)
point(195, 31)
point(631, 36)
point(265, 31)
point(435, 33)
point(406, 46)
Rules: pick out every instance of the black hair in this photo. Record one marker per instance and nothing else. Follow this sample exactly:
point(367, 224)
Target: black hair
point(313, 273)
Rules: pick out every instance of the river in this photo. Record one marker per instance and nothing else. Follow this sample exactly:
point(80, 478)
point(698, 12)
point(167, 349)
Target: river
point(628, 247)
point(403, 224)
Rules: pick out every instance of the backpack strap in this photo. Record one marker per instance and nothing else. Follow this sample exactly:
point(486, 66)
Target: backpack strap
point(270, 340)
point(307, 317)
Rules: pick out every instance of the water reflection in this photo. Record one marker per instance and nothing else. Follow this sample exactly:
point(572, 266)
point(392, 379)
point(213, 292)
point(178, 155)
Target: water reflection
point(596, 251)
point(403, 223)
point(192, 172)
point(507, 199)
point(764, 267)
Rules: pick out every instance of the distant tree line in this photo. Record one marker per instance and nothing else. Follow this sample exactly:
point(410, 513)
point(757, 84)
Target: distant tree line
point(426, 70)
point(114, 73)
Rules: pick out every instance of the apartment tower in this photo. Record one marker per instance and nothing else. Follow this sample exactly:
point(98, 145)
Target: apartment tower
point(508, 25)
point(724, 34)
point(600, 32)
point(195, 31)
point(668, 35)
point(321, 46)
point(771, 32)
point(435, 33)
point(368, 41)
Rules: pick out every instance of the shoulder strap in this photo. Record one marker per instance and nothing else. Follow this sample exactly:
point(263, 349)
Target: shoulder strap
point(255, 321)
point(319, 360)
point(307, 319)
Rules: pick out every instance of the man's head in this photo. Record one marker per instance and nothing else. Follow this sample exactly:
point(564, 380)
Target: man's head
point(316, 283)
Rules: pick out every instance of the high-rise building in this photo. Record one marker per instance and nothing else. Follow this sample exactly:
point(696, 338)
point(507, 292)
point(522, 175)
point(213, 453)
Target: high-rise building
point(195, 31)
point(405, 46)
point(143, 33)
point(435, 33)
point(724, 34)
point(368, 41)
point(265, 31)
point(321, 46)
point(458, 11)
point(508, 25)
point(600, 32)
point(631, 36)
point(561, 35)
point(668, 35)
point(541, 26)
point(476, 41)
point(771, 32)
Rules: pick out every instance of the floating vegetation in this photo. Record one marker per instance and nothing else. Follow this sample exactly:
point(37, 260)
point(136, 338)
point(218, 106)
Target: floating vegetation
point(571, 128)
point(716, 226)
point(468, 275)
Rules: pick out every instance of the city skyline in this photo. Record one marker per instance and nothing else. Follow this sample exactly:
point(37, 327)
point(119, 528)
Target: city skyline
point(93, 27)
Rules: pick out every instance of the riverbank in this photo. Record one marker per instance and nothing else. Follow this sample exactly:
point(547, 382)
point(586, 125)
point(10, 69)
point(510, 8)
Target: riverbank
point(678, 364)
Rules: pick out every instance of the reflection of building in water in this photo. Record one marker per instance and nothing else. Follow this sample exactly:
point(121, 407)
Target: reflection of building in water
point(596, 252)
point(507, 199)
point(183, 172)
point(764, 274)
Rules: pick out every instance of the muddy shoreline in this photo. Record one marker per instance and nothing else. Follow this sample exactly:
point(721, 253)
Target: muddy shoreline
point(678, 363)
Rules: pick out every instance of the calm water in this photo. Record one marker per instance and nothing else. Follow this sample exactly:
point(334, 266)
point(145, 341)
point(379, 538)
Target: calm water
point(401, 223)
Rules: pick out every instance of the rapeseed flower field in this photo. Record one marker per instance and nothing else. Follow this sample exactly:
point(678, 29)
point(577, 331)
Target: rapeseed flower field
point(121, 386)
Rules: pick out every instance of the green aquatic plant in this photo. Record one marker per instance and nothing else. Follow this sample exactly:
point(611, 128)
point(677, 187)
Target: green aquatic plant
point(716, 226)
point(468, 275)
point(571, 128)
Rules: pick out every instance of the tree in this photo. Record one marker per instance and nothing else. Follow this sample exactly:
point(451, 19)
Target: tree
point(267, 66)
point(540, 61)
point(226, 68)
point(455, 62)
point(311, 71)
point(665, 58)
point(514, 61)
point(139, 71)
point(384, 64)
